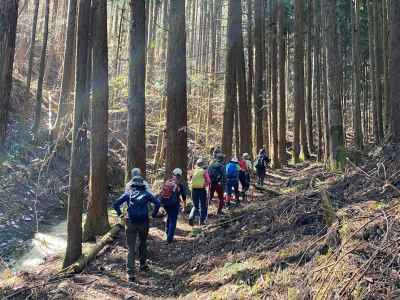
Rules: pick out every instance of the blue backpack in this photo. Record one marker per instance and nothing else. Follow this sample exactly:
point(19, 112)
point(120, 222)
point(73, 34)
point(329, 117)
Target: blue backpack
point(232, 170)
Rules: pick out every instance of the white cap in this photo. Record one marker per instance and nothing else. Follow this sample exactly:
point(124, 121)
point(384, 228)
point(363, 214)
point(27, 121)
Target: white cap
point(177, 172)
point(234, 159)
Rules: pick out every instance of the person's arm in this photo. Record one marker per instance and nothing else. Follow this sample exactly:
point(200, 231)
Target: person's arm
point(207, 178)
point(117, 204)
point(156, 203)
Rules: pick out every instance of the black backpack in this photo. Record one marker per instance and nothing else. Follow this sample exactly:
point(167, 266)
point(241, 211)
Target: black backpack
point(215, 170)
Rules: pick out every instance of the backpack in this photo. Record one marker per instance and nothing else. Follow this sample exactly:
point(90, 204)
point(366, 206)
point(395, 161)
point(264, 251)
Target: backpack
point(231, 170)
point(215, 170)
point(198, 180)
point(169, 188)
point(243, 166)
point(259, 163)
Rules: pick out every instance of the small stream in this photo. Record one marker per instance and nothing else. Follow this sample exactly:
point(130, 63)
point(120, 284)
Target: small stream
point(42, 246)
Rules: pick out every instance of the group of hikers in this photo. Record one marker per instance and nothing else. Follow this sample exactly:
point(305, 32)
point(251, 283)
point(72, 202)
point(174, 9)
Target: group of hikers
point(205, 180)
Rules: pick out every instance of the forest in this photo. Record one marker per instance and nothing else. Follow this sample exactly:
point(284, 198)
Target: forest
point(103, 98)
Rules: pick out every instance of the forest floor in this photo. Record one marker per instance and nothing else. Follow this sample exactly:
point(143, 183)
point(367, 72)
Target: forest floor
point(310, 234)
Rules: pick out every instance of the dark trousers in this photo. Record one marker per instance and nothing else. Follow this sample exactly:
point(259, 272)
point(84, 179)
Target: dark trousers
point(261, 175)
point(133, 232)
point(172, 218)
point(217, 187)
point(232, 185)
point(199, 198)
point(244, 178)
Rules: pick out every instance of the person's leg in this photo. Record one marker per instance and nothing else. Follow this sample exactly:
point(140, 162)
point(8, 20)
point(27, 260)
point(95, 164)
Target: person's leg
point(220, 193)
point(236, 189)
point(203, 206)
point(196, 205)
point(168, 211)
point(173, 218)
point(242, 179)
point(131, 236)
point(143, 231)
point(228, 191)
point(213, 188)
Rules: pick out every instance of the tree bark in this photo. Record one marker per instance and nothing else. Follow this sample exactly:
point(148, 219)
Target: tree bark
point(69, 67)
point(309, 111)
point(136, 148)
point(337, 151)
point(8, 32)
point(317, 74)
point(259, 72)
point(395, 69)
point(176, 89)
point(79, 150)
point(32, 46)
point(42, 66)
point(97, 217)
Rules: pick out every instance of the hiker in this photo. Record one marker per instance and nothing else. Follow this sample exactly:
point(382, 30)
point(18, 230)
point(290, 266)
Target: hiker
point(137, 222)
point(244, 173)
point(200, 181)
point(232, 181)
point(137, 172)
point(260, 165)
point(172, 194)
point(216, 152)
point(216, 171)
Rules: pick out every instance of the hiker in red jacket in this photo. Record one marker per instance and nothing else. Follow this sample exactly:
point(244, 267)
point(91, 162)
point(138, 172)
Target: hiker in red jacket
point(171, 196)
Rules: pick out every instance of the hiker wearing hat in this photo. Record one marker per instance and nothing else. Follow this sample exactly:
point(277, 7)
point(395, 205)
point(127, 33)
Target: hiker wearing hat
point(244, 173)
point(172, 194)
point(200, 180)
point(261, 164)
point(137, 221)
point(134, 173)
point(232, 180)
point(216, 171)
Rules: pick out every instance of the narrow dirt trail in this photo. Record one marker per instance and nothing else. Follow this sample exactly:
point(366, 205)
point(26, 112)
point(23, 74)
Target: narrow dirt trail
point(201, 261)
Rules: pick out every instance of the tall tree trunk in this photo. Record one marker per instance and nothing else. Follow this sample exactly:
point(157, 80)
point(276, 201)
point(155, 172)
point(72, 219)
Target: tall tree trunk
point(358, 135)
point(136, 148)
point(243, 113)
point(250, 63)
point(42, 66)
point(309, 112)
point(97, 217)
point(282, 81)
point(32, 46)
point(259, 72)
point(298, 80)
point(8, 32)
point(395, 69)
point(317, 74)
point(176, 89)
point(337, 151)
point(79, 140)
point(274, 86)
point(230, 83)
point(69, 67)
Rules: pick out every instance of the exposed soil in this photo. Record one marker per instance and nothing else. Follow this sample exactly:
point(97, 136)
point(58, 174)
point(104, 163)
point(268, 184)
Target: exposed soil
point(284, 242)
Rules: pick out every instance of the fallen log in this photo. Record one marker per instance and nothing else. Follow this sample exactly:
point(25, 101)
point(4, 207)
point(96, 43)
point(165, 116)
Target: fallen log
point(108, 238)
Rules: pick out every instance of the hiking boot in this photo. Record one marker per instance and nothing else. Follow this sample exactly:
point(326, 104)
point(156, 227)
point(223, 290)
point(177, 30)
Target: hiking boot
point(220, 213)
point(144, 268)
point(130, 278)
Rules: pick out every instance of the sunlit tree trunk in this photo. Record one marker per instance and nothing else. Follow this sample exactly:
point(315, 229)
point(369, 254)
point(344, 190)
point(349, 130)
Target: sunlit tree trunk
point(395, 69)
point(32, 46)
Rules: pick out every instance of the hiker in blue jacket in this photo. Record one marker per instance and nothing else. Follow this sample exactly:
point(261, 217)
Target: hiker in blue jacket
point(137, 222)
point(232, 180)
point(171, 196)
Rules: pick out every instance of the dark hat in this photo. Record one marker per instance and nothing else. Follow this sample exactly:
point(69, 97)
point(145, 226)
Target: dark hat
point(137, 181)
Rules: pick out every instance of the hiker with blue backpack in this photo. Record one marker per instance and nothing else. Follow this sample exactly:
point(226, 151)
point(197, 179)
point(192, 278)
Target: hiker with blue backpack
point(232, 181)
point(244, 174)
point(200, 181)
point(216, 171)
point(261, 163)
point(137, 222)
point(172, 195)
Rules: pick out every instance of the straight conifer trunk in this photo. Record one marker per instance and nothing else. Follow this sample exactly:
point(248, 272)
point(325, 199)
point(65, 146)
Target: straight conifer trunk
point(97, 217)
point(337, 151)
point(136, 148)
point(32, 46)
point(395, 69)
point(79, 140)
point(176, 89)
point(8, 32)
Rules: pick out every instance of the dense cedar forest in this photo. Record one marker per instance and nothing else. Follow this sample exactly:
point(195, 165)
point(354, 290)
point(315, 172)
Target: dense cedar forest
point(90, 89)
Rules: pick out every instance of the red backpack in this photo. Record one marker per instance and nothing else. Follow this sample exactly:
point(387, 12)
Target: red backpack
point(169, 188)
